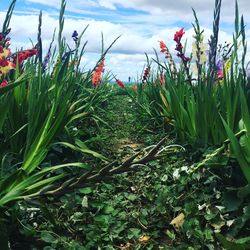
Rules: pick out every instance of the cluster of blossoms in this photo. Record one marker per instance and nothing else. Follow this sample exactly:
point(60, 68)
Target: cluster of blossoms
point(145, 74)
point(200, 51)
point(179, 47)
point(6, 63)
point(24, 55)
point(222, 66)
point(97, 75)
point(8, 60)
point(223, 62)
point(166, 52)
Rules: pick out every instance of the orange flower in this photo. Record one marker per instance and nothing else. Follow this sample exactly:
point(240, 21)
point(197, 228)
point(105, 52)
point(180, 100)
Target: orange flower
point(164, 50)
point(163, 46)
point(135, 88)
point(97, 75)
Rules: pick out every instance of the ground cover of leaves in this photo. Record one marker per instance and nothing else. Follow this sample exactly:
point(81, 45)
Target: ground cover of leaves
point(159, 207)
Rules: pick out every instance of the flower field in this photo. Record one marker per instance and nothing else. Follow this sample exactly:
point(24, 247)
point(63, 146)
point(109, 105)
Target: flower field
point(89, 162)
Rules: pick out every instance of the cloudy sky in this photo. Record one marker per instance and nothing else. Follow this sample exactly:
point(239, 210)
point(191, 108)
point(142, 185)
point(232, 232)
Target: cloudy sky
point(141, 24)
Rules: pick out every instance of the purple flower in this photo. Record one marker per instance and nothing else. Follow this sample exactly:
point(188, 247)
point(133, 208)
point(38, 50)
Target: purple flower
point(219, 65)
point(219, 68)
point(75, 36)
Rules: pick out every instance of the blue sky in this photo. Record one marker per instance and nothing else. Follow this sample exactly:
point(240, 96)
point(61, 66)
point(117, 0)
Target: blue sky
point(142, 23)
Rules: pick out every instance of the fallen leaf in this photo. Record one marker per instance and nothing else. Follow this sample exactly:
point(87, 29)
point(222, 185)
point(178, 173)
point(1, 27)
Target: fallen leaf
point(85, 201)
point(230, 223)
point(178, 221)
point(144, 239)
point(126, 246)
point(217, 227)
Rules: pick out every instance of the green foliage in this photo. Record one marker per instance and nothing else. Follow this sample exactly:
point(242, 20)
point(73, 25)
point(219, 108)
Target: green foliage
point(208, 112)
point(61, 135)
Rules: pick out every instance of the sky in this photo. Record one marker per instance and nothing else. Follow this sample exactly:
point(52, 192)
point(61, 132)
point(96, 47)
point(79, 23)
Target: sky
point(141, 24)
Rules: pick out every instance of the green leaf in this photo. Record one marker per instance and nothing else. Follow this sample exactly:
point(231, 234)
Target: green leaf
point(86, 190)
point(48, 237)
point(232, 201)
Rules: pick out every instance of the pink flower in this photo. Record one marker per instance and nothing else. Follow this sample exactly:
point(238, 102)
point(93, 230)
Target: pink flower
point(220, 74)
point(146, 74)
point(162, 79)
point(4, 83)
point(120, 83)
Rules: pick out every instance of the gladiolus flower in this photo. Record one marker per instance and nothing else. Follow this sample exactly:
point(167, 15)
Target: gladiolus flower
point(219, 69)
point(4, 83)
point(164, 50)
point(162, 79)
point(97, 75)
point(24, 55)
point(203, 52)
point(120, 83)
point(145, 75)
point(163, 47)
point(178, 35)
point(75, 36)
point(220, 74)
point(177, 38)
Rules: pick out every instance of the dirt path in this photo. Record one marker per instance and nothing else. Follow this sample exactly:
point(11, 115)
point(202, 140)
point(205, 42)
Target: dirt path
point(122, 134)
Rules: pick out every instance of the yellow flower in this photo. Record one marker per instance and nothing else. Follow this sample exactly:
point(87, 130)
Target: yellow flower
point(227, 65)
point(194, 69)
point(203, 49)
point(6, 69)
point(202, 37)
point(5, 53)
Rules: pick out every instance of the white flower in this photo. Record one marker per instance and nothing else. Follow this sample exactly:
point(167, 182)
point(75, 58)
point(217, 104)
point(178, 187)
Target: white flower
point(176, 174)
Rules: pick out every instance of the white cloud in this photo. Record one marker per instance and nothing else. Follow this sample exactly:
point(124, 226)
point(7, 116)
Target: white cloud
point(140, 33)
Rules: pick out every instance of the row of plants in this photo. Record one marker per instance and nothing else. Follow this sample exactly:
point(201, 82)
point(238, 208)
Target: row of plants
point(207, 107)
point(46, 103)
point(204, 100)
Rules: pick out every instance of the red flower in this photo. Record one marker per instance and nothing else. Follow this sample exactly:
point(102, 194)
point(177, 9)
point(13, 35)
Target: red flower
point(4, 62)
point(24, 55)
point(4, 83)
point(178, 35)
point(120, 83)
